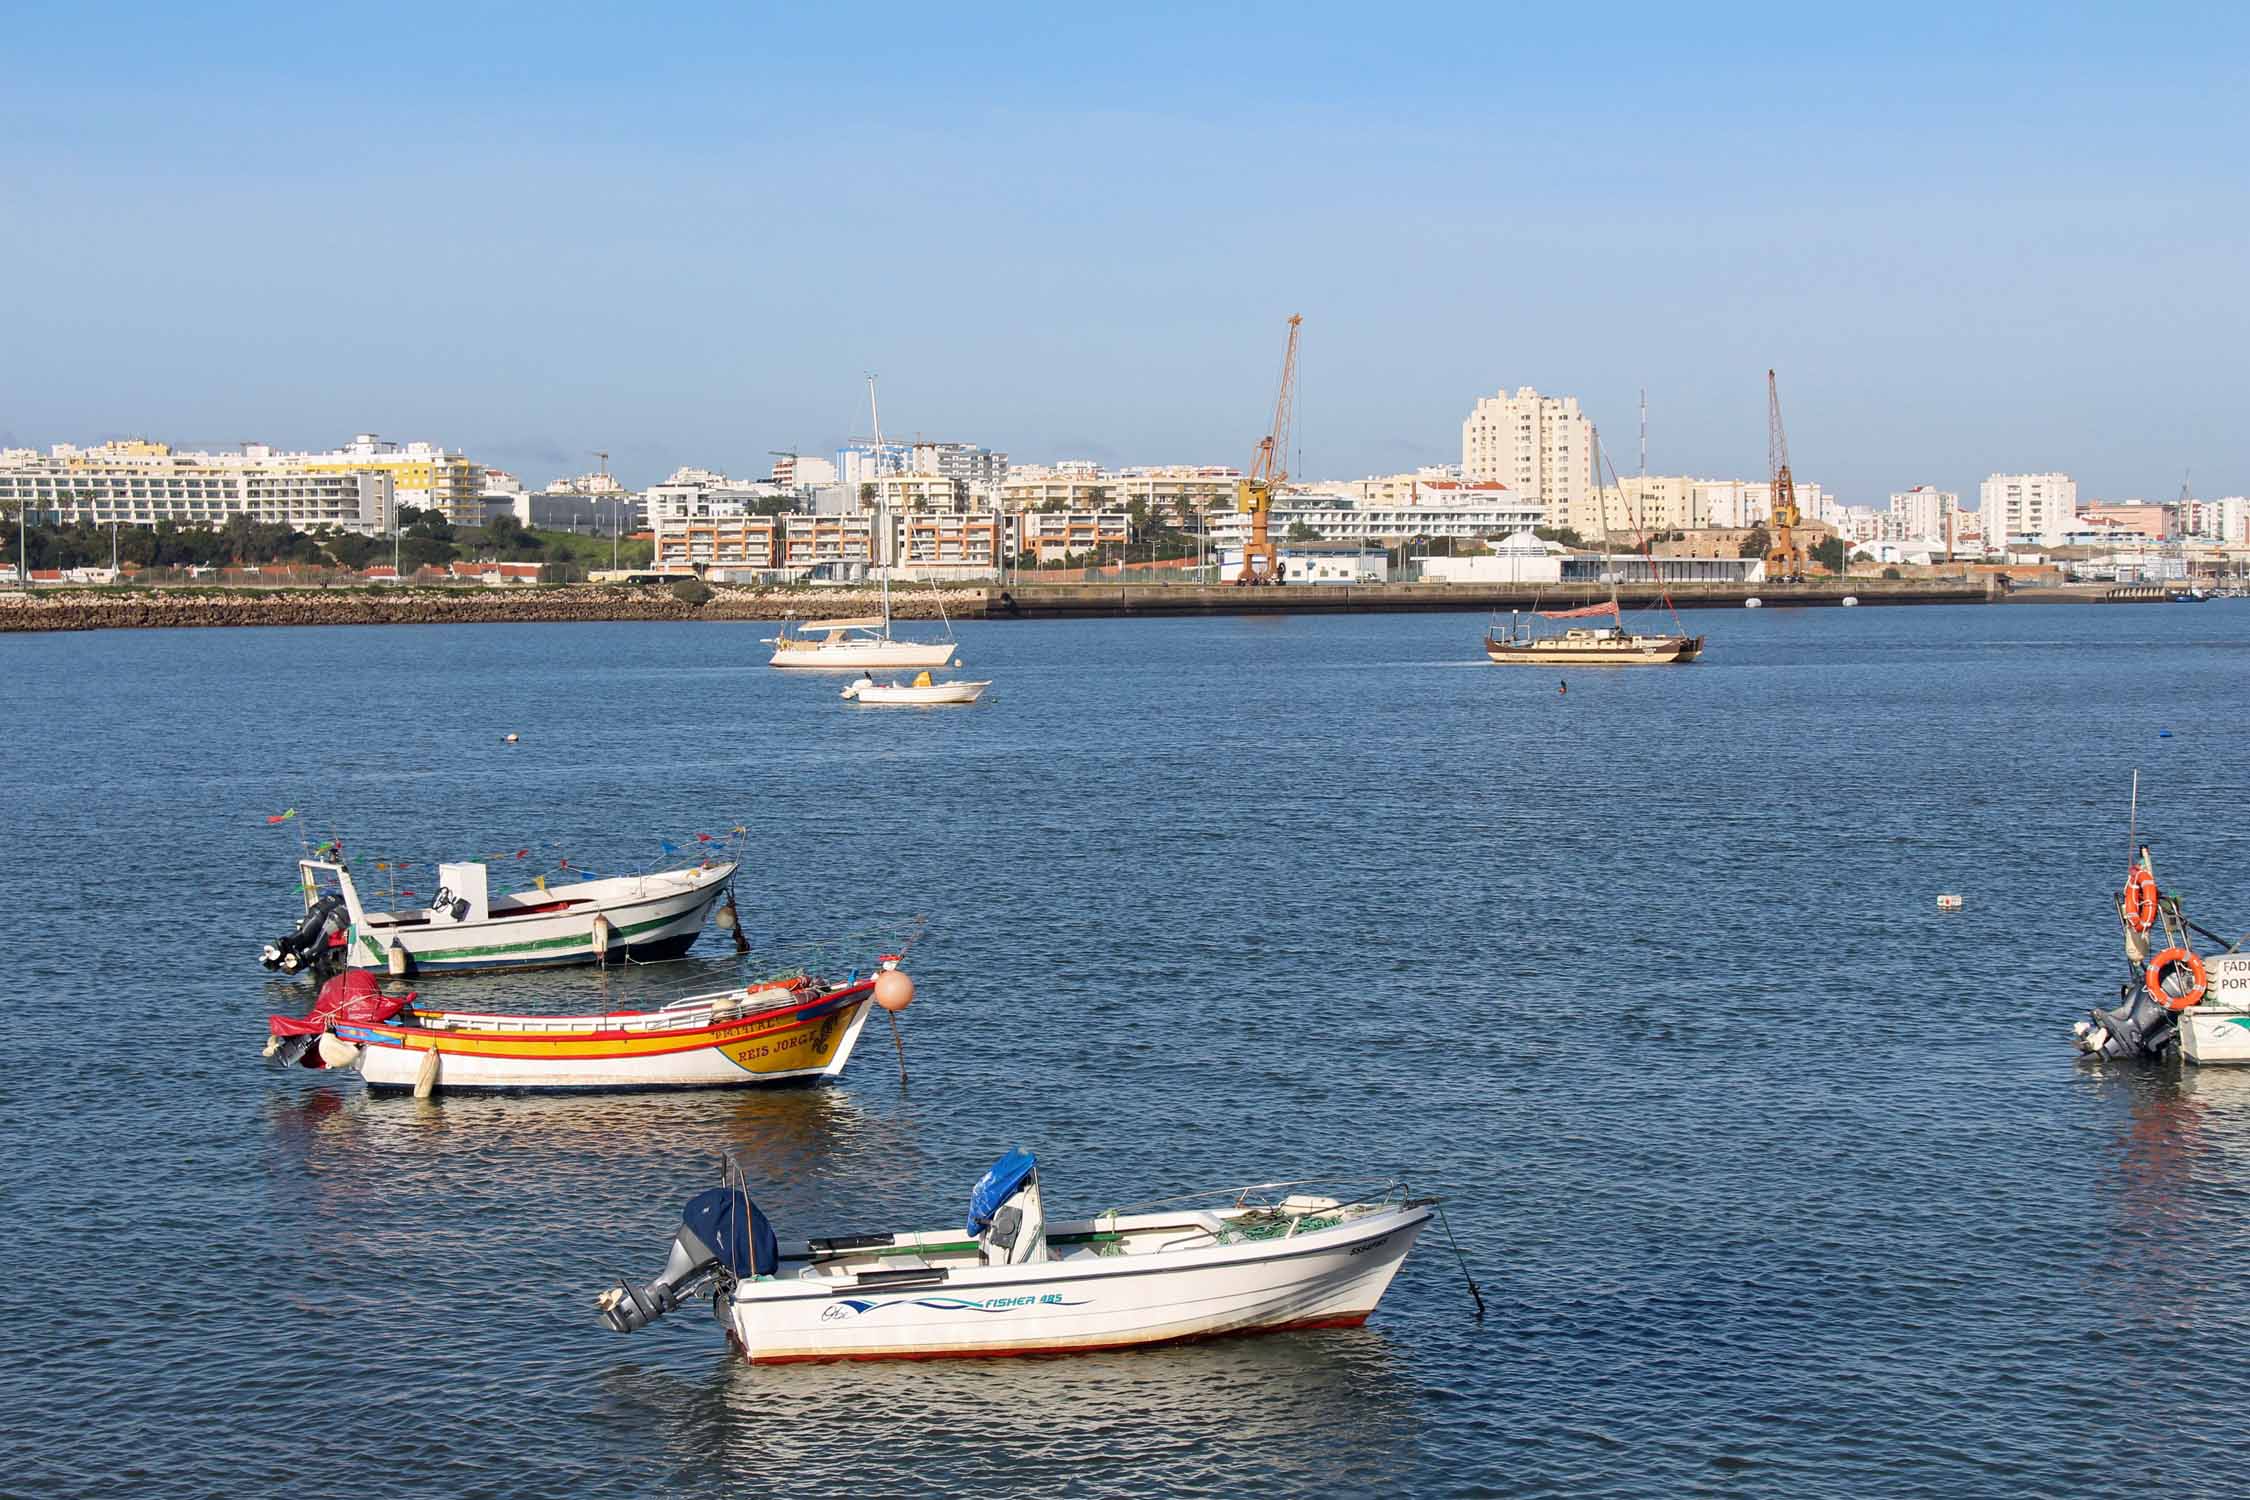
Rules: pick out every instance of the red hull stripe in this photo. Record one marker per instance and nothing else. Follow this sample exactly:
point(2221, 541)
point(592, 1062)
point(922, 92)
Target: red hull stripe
point(1345, 1320)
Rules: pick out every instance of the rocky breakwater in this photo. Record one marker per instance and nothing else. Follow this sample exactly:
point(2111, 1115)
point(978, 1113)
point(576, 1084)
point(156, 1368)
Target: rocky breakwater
point(147, 608)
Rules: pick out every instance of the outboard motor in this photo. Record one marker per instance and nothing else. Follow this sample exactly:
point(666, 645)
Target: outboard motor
point(722, 1236)
point(2140, 1025)
point(302, 948)
point(1005, 1212)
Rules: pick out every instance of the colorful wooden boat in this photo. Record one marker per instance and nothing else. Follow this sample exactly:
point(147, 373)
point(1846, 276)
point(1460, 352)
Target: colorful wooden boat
point(1260, 1259)
point(644, 918)
point(772, 1032)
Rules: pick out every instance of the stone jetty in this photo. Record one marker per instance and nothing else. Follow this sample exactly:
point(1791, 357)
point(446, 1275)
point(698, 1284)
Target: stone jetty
point(145, 608)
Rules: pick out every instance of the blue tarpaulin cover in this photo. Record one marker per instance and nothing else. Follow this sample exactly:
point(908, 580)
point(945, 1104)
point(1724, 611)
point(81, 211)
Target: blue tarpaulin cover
point(997, 1186)
point(732, 1225)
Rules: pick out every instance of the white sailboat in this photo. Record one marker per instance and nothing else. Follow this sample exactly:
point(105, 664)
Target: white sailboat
point(865, 641)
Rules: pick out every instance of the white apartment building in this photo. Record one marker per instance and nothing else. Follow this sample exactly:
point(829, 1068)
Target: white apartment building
point(977, 469)
point(862, 462)
point(1382, 525)
point(802, 470)
point(1542, 447)
point(1736, 503)
point(139, 483)
point(1920, 514)
point(2027, 509)
point(692, 494)
point(424, 476)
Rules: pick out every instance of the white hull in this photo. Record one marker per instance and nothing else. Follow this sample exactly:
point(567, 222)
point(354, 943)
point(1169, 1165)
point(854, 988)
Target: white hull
point(1083, 1299)
point(2210, 1035)
point(852, 656)
point(590, 1052)
point(657, 915)
point(880, 695)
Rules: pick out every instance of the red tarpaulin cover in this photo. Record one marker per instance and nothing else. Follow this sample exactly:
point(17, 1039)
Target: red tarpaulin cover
point(1587, 613)
point(353, 997)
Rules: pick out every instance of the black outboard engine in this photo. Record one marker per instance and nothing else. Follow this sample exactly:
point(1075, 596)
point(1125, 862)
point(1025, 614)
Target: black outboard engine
point(302, 949)
point(2140, 1025)
point(722, 1236)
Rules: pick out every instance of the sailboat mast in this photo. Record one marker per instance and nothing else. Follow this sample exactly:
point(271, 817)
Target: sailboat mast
point(879, 543)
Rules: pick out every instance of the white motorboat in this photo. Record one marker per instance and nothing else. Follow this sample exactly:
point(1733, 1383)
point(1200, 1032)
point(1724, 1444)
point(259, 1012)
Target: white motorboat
point(921, 692)
point(1259, 1259)
point(2174, 1000)
point(643, 918)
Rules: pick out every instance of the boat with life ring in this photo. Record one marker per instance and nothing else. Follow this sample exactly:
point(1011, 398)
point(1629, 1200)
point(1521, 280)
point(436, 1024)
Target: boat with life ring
point(1260, 1259)
point(2174, 1001)
point(796, 1028)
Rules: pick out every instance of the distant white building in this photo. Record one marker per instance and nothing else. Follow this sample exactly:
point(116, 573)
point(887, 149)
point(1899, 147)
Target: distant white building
point(976, 469)
point(1541, 447)
point(1922, 514)
point(1319, 562)
point(2027, 509)
point(140, 483)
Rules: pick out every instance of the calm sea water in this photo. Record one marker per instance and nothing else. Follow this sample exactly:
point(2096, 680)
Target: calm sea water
point(1777, 1180)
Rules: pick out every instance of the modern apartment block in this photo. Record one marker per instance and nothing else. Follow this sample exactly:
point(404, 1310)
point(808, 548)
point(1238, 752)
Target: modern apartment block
point(1541, 447)
point(2027, 509)
point(423, 475)
point(1922, 514)
point(976, 468)
point(138, 483)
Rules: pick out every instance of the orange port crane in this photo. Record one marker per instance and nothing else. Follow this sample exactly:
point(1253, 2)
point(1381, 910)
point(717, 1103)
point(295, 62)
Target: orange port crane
point(1783, 552)
point(1254, 496)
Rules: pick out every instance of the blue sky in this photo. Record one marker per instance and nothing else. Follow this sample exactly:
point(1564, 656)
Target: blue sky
point(1970, 239)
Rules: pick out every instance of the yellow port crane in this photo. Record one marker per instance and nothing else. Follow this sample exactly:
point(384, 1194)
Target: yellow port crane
point(1254, 496)
point(1783, 552)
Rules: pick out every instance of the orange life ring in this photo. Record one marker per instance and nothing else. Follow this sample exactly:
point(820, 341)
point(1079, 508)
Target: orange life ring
point(2139, 903)
point(2155, 976)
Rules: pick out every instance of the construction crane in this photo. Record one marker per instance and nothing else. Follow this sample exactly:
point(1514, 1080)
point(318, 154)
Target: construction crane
point(1782, 549)
point(1254, 496)
point(597, 453)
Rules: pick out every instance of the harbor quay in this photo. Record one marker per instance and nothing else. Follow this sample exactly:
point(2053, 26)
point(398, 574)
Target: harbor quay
point(144, 607)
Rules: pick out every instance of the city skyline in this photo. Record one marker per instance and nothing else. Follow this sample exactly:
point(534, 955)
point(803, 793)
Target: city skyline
point(1969, 244)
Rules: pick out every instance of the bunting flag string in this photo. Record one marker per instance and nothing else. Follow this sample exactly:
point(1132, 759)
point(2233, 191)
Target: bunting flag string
point(281, 817)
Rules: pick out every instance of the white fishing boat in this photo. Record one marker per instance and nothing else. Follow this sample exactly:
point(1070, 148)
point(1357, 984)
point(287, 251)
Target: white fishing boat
point(2174, 1000)
point(465, 926)
point(793, 1028)
point(922, 692)
point(1259, 1259)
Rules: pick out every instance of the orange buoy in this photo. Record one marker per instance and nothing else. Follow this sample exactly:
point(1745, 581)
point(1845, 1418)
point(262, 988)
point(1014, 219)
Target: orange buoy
point(2184, 958)
point(2139, 902)
point(894, 989)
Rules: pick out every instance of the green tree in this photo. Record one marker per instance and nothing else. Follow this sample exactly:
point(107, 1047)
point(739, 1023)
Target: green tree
point(1560, 535)
point(1300, 532)
point(1755, 544)
point(1829, 552)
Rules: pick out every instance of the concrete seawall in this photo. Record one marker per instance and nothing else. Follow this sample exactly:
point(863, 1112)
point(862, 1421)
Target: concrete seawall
point(1041, 601)
point(145, 608)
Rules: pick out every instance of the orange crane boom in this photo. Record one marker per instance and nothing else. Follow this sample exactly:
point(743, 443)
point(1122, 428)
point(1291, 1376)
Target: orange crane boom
point(1268, 472)
point(1782, 548)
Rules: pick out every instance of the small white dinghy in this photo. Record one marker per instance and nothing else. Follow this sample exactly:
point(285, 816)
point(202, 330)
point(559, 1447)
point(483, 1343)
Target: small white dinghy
point(921, 692)
point(1258, 1259)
